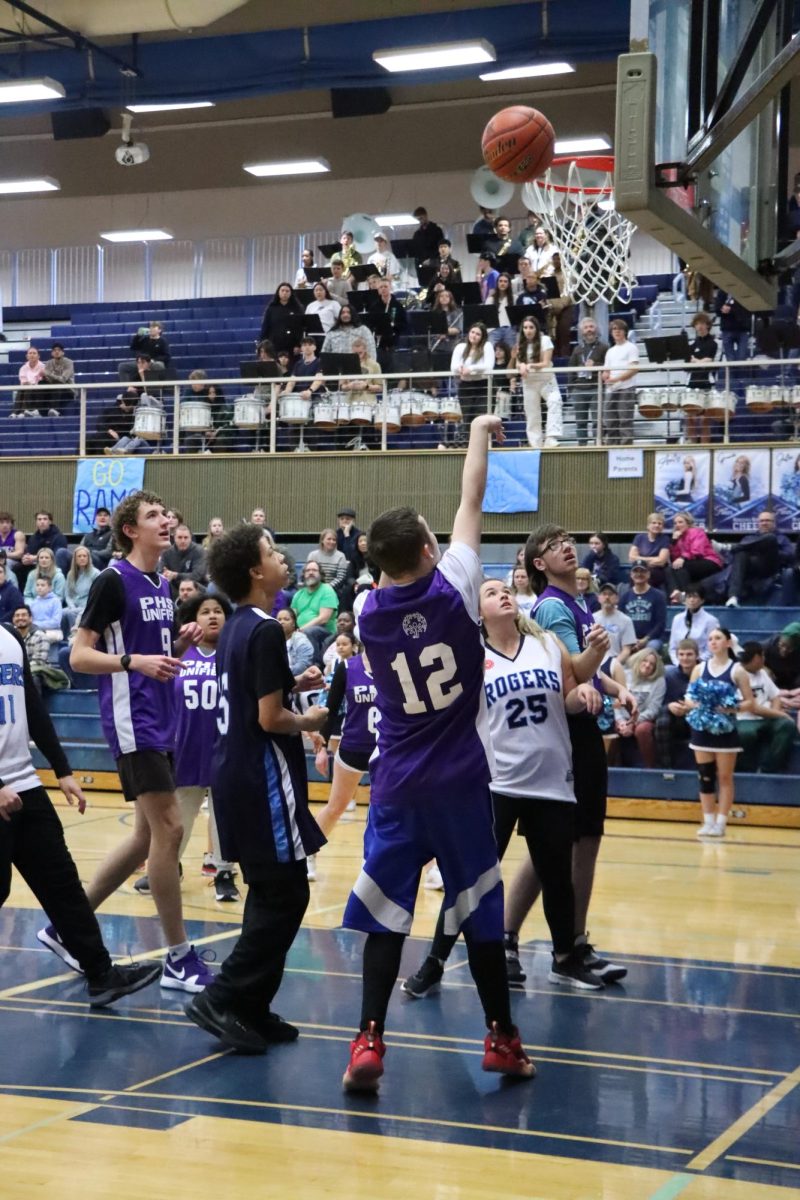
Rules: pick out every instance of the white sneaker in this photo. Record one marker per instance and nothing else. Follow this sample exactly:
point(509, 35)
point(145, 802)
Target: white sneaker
point(706, 830)
point(433, 879)
point(53, 412)
point(311, 866)
point(732, 602)
point(719, 829)
point(351, 807)
point(550, 442)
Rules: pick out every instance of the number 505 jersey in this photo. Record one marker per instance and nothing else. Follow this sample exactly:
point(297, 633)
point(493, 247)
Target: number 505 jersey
point(424, 648)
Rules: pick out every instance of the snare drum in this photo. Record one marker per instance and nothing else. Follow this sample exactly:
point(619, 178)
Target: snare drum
point(794, 397)
point(451, 409)
point(671, 397)
point(361, 412)
point(195, 416)
point(391, 412)
point(719, 403)
point(342, 406)
point(248, 413)
point(149, 423)
point(294, 410)
point(777, 395)
point(411, 407)
point(651, 403)
point(325, 414)
point(430, 406)
point(693, 400)
point(758, 399)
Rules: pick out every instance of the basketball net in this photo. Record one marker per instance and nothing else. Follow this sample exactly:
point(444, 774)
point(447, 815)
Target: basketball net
point(574, 201)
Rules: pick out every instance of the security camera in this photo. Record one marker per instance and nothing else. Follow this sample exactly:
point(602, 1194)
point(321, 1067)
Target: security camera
point(132, 154)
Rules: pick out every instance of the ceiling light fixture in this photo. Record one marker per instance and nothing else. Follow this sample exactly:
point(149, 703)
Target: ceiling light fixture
point(585, 145)
point(429, 58)
point(17, 91)
point(396, 219)
point(137, 235)
point(12, 187)
point(302, 166)
point(532, 71)
point(151, 108)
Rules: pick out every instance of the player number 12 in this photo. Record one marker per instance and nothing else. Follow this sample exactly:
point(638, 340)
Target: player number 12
point(440, 696)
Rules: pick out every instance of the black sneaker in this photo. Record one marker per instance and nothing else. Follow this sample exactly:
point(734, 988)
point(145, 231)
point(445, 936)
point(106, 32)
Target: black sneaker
point(274, 1029)
point(121, 981)
point(142, 886)
point(225, 890)
point(514, 972)
point(426, 981)
point(231, 1030)
point(572, 973)
point(609, 972)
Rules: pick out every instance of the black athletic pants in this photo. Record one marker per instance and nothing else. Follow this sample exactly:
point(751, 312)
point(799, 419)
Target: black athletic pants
point(693, 570)
point(33, 842)
point(277, 899)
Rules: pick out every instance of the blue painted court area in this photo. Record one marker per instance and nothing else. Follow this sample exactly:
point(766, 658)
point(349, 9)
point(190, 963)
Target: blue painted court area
point(645, 1074)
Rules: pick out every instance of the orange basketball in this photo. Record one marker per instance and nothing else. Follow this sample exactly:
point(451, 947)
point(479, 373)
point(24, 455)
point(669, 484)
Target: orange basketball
point(518, 143)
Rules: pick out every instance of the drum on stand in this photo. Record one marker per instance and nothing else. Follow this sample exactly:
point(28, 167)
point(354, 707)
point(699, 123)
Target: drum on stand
point(361, 412)
point(794, 396)
point(411, 407)
point(671, 397)
point(758, 399)
point(693, 400)
point(294, 410)
point(248, 413)
point(341, 404)
point(194, 416)
point(778, 396)
point(451, 409)
point(150, 424)
point(431, 410)
point(651, 403)
point(391, 412)
point(325, 414)
point(719, 403)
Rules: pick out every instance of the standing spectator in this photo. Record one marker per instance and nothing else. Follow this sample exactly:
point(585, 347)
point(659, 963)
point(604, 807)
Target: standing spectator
point(37, 647)
point(522, 591)
point(383, 259)
point(331, 562)
point(184, 559)
point(671, 731)
point(306, 263)
point(589, 352)
point(561, 311)
point(315, 605)
point(350, 256)
point(621, 365)
point(758, 559)
point(694, 622)
point(426, 237)
point(282, 320)
point(601, 559)
point(325, 306)
point(59, 370)
point(646, 607)
point(692, 557)
point(215, 530)
point(618, 626)
point(734, 326)
point(45, 569)
point(652, 547)
point(81, 574)
point(391, 321)
point(766, 731)
point(100, 542)
point(484, 226)
point(782, 657)
point(501, 300)
point(12, 543)
point(338, 282)
point(46, 535)
point(540, 252)
point(31, 373)
point(472, 362)
point(533, 358)
point(347, 533)
point(486, 275)
point(10, 595)
point(645, 676)
point(702, 350)
point(527, 236)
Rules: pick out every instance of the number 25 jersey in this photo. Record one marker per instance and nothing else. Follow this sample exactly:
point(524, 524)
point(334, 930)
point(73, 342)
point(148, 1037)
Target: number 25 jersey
point(424, 647)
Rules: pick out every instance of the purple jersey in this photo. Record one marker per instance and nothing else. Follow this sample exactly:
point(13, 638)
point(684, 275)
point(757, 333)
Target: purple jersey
point(360, 723)
point(137, 713)
point(196, 718)
point(582, 617)
point(424, 647)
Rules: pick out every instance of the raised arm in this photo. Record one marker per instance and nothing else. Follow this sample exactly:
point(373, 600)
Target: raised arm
point(468, 520)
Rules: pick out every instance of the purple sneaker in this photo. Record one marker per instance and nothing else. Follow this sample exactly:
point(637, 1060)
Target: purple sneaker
point(48, 937)
point(190, 973)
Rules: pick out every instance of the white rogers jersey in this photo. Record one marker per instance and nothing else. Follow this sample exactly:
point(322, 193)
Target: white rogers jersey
point(16, 767)
point(528, 723)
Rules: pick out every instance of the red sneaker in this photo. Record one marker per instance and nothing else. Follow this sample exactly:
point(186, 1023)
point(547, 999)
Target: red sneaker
point(504, 1054)
point(366, 1061)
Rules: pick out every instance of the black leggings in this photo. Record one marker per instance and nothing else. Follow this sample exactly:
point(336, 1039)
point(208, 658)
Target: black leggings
point(548, 827)
point(692, 570)
point(473, 398)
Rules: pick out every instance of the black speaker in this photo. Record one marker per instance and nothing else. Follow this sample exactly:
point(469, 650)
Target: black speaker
point(80, 123)
point(359, 102)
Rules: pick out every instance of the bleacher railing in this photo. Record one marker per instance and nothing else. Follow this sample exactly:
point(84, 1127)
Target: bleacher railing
point(753, 401)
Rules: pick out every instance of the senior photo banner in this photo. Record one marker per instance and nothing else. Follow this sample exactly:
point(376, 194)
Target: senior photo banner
point(512, 483)
point(741, 489)
point(682, 484)
point(103, 483)
point(785, 488)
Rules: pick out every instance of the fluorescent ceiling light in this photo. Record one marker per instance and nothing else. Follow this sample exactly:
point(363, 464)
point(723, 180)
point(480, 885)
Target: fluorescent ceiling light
point(11, 187)
point(303, 166)
point(14, 91)
point(582, 145)
point(148, 108)
point(530, 72)
point(396, 219)
point(427, 58)
point(137, 235)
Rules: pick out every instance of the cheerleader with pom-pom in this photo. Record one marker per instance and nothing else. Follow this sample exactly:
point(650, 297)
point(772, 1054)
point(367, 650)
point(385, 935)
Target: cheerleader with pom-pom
point(718, 689)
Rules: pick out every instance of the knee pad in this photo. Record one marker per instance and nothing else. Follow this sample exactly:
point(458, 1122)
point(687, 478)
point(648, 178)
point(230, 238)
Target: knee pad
point(707, 774)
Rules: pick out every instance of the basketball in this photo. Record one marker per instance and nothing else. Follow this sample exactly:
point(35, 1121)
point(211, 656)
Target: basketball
point(518, 143)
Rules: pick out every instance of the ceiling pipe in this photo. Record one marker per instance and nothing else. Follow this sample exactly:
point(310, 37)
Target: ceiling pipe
point(99, 18)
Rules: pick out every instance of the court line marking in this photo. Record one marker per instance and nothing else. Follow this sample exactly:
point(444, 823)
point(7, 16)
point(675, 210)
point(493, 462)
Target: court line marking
point(745, 1122)
point(45, 1121)
point(763, 1162)
point(673, 1187)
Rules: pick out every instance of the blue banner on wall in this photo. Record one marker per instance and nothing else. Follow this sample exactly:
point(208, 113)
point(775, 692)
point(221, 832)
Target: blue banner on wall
point(103, 483)
point(512, 484)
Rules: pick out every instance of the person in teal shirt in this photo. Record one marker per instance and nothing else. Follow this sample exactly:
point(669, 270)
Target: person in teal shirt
point(315, 605)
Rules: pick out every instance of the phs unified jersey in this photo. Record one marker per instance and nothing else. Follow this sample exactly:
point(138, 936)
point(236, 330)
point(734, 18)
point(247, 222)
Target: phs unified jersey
point(15, 755)
point(360, 725)
point(196, 718)
point(526, 693)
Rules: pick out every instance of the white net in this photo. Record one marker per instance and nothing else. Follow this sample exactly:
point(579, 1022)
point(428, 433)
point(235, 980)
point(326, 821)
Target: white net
point(576, 207)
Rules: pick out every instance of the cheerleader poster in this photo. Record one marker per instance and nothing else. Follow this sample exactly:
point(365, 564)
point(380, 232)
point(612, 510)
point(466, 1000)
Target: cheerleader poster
point(785, 489)
point(741, 489)
point(682, 484)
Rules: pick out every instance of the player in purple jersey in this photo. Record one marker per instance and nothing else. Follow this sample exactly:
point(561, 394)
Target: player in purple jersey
point(260, 792)
point(430, 773)
point(125, 637)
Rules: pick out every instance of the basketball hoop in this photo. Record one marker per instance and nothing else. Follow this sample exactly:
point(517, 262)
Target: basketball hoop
point(574, 201)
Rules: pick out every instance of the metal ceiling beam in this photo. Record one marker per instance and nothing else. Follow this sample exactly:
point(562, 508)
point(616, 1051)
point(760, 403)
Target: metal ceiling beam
point(78, 40)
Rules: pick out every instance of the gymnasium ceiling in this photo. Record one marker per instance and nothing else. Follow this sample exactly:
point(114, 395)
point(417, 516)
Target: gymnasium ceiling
point(269, 67)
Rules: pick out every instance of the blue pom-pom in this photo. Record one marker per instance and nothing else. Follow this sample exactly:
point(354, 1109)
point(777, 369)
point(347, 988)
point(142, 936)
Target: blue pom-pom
point(711, 695)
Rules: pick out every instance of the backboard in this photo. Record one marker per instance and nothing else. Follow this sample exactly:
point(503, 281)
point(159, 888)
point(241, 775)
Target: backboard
point(702, 135)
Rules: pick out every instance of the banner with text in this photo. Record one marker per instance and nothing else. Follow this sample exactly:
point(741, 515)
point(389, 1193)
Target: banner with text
point(785, 488)
point(682, 484)
point(103, 483)
point(512, 484)
point(741, 489)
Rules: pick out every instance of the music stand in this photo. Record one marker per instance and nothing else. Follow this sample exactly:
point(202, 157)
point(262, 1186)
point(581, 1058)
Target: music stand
point(304, 295)
point(518, 312)
point(340, 364)
point(316, 274)
point(426, 274)
point(403, 248)
point(362, 271)
point(421, 321)
point(331, 248)
point(476, 242)
point(358, 300)
point(312, 325)
point(470, 292)
point(508, 264)
point(485, 313)
point(258, 369)
point(667, 349)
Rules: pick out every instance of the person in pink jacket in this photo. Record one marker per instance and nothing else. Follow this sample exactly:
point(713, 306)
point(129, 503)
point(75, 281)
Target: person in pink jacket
point(692, 557)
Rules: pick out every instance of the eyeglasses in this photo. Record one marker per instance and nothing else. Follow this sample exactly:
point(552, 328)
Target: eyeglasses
point(558, 544)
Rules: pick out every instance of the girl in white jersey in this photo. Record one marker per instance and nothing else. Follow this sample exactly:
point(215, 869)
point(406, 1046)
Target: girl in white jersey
point(530, 686)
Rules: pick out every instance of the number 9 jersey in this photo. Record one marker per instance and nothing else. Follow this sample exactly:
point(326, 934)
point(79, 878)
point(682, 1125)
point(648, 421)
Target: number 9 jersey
point(196, 713)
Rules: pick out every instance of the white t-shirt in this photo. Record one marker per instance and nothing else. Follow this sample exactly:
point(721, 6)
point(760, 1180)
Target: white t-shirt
point(764, 691)
point(621, 358)
point(16, 767)
point(619, 628)
point(545, 343)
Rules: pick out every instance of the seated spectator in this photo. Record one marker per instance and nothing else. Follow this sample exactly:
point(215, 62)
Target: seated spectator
point(306, 367)
point(59, 370)
point(331, 561)
point(342, 646)
point(364, 575)
point(601, 560)
point(621, 365)
point(31, 373)
point(188, 592)
point(80, 576)
point(521, 588)
point(694, 622)
point(184, 559)
point(671, 732)
point(344, 333)
point(646, 607)
point(298, 647)
point(37, 647)
point(499, 241)
point(345, 623)
point(445, 279)
point(692, 557)
point(10, 595)
point(383, 259)
point(757, 560)
point(527, 236)
point(152, 356)
point(645, 677)
point(339, 281)
point(587, 588)
point(282, 319)
point(46, 535)
point(589, 352)
point(560, 312)
point(444, 257)
point(622, 635)
point(46, 609)
point(45, 568)
point(116, 422)
point(524, 271)
point(215, 530)
point(12, 543)
point(132, 443)
point(325, 306)
point(766, 731)
point(100, 542)
point(540, 252)
point(782, 657)
point(306, 263)
point(535, 295)
point(315, 605)
point(652, 547)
